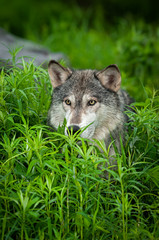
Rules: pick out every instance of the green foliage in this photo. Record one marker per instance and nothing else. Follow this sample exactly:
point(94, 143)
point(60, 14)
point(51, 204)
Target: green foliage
point(50, 184)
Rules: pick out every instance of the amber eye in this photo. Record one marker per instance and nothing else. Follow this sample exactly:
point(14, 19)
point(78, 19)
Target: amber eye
point(68, 102)
point(91, 102)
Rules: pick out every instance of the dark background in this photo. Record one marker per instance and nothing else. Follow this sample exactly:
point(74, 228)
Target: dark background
point(18, 16)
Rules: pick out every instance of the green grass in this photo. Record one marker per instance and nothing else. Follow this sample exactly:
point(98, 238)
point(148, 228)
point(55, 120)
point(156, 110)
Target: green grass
point(50, 185)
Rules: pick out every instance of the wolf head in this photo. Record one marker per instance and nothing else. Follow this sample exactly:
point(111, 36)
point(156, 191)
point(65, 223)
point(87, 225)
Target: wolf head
point(85, 98)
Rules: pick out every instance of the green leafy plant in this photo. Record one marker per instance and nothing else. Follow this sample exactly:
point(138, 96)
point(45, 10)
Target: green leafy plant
point(51, 185)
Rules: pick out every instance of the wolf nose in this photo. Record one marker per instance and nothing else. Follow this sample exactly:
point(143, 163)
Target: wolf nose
point(73, 129)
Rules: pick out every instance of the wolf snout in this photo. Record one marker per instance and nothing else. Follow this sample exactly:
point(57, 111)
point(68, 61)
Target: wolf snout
point(73, 129)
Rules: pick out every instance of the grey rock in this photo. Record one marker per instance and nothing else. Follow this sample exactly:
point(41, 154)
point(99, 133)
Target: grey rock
point(29, 51)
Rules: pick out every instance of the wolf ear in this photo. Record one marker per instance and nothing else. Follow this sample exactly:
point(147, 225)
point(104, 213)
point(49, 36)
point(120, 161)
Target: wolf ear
point(58, 74)
point(110, 77)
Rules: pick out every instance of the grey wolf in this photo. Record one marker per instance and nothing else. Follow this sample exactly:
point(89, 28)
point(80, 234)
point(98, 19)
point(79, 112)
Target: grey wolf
point(89, 98)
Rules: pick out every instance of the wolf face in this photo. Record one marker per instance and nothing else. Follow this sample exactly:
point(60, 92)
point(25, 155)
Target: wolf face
point(88, 98)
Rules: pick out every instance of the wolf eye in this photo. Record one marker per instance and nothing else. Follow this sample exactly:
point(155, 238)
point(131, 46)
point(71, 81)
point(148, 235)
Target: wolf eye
point(68, 102)
point(91, 102)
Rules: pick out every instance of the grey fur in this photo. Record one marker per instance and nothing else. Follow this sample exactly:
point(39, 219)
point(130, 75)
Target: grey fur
point(75, 91)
